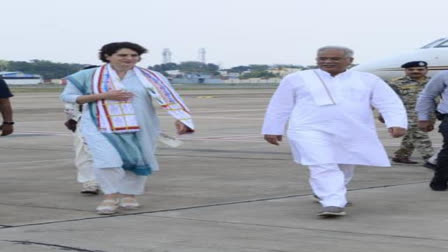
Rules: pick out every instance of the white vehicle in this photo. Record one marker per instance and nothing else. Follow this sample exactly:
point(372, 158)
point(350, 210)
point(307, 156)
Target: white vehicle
point(435, 53)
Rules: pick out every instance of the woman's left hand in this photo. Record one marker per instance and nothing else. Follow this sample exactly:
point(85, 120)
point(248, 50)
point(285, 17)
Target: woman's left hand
point(181, 128)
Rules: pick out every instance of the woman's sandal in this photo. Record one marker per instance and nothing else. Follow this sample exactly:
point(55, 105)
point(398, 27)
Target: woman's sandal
point(108, 206)
point(129, 203)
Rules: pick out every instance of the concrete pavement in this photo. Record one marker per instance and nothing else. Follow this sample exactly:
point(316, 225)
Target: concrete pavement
point(224, 190)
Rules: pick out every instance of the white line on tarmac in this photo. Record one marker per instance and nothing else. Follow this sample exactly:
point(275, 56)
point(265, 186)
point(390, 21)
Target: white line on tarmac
point(43, 132)
point(36, 161)
point(224, 118)
point(225, 140)
point(24, 121)
point(228, 138)
point(219, 136)
point(229, 110)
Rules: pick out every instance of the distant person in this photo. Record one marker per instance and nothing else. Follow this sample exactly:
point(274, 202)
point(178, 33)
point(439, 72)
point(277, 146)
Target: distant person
point(83, 159)
point(426, 105)
point(331, 123)
point(7, 127)
point(120, 124)
point(408, 87)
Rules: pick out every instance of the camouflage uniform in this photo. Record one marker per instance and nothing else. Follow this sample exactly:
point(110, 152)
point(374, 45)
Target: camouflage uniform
point(408, 89)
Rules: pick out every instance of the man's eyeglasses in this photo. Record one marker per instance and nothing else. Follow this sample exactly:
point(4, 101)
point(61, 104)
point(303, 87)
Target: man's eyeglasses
point(330, 58)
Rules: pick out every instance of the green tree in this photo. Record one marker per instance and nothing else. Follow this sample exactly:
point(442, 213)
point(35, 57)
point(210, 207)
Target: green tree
point(45, 68)
point(164, 67)
point(212, 68)
point(198, 67)
point(239, 69)
point(3, 65)
point(259, 67)
point(289, 66)
point(258, 74)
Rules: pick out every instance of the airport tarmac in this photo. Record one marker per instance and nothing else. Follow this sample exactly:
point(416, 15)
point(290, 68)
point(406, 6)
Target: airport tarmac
point(225, 189)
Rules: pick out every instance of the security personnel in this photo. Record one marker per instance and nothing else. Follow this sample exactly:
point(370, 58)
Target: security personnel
point(5, 109)
point(408, 87)
point(426, 105)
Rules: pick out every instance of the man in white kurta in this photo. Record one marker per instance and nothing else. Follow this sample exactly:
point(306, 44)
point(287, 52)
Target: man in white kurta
point(331, 124)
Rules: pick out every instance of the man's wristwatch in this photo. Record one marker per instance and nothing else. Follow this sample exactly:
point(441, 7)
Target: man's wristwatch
point(8, 123)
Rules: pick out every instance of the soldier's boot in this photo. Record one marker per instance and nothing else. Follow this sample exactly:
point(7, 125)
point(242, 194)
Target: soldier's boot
point(429, 163)
point(403, 160)
point(439, 182)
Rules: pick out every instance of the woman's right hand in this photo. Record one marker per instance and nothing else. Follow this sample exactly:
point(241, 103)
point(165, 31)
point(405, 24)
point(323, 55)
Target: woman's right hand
point(118, 95)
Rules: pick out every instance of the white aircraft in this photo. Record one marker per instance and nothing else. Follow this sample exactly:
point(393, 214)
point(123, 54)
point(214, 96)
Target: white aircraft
point(435, 53)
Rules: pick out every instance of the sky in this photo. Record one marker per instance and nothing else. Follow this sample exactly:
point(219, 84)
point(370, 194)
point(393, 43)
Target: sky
point(233, 32)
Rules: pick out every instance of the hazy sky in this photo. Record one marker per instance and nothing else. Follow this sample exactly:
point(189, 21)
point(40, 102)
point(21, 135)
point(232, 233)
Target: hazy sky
point(233, 32)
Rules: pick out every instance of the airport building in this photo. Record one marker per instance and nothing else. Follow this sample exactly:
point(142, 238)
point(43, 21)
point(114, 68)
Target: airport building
point(19, 78)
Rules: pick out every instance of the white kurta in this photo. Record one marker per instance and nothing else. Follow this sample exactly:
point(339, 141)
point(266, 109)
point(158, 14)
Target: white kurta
point(341, 133)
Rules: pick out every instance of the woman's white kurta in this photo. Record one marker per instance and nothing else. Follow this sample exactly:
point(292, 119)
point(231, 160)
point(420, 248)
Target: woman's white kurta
point(341, 133)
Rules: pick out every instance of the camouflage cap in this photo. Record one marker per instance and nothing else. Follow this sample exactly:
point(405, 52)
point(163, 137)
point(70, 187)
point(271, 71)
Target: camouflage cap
point(419, 63)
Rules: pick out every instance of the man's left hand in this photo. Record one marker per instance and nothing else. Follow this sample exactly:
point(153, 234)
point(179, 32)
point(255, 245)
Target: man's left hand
point(7, 129)
point(397, 132)
point(71, 125)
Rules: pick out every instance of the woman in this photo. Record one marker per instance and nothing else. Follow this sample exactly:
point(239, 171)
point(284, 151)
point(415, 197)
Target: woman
point(120, 124)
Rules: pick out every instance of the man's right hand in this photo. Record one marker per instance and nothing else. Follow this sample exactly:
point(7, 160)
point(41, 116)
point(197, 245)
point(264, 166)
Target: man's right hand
point(426, 125)
point(273, 139)
point(71, 124)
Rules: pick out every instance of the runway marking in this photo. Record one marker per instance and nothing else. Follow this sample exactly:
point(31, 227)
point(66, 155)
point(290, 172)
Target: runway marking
point(36, 161)
point(222, 157)
point(228, 138)
point(62, 247)
point(224, 136)
point(205, 96)
point(227, 118)
point(46, 121)
point(31, 133)
point(154, 213)
point(225, 140)
point(230, 151)
point(221, 118)
point(229, 110)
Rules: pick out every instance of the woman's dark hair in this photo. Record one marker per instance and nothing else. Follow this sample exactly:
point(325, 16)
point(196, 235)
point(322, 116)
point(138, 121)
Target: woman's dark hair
point(112, 48)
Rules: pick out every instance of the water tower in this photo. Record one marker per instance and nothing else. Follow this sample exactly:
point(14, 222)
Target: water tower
point(201, 55)
point(166, 55)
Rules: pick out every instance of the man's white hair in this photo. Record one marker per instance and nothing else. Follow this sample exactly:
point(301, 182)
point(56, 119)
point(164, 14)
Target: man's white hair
point(347, 51)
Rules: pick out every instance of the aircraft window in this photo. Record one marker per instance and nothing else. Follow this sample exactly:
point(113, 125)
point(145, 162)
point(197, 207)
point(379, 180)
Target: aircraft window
point(444, 44)
point(432, 44)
